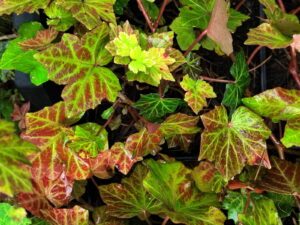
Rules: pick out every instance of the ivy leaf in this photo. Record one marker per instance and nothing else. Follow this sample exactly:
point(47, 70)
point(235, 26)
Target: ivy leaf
point(267, 35)
point(102, 217)
point(59, 18)
point(279, 104)
point(234, 202)
point(11, 215)
point(182, 202)
point(14, 58)
point(144, 142)
point(196, 93)
point(179, 123)
point(13, 154)
point(87, 82)
point(89, 12)
point(153, 107)
point(283, 178)
point(19, 114)
point(73, 216)
point(41, 41)
point(283, 203)
point(89, 138)
point(129, 199)
point(234, 92)
point(235, 19)
point(217, 28)
point(181, 140)
point(207, 178)
point(232, 144)
point(15, 6)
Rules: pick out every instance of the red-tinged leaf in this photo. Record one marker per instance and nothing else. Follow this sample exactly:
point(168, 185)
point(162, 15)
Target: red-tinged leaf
point(19, 114)
point(102, 166)
point(102, 217)
point(41, 41)
point(232, 144)
point(89, 12)
point(18, 7)
point(34, 201)
point(129, 199)
point(87, 81)
point(283, 178)
point(179, 124)
point(217, 29)
point(73, 216)
point(144, 142)
point(182, 140)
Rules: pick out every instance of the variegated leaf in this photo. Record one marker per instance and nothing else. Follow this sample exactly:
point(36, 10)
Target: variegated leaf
point(16, 6)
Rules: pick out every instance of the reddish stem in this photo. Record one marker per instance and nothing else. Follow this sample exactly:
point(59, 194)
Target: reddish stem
point(145, 14)
point(165, 221)
point(280, 148)
point(281, 5)
point(199, 38)
point(293, 67)
point(217, 80)
point(161, 12)
point(238, 6)
point(255, 51)
point(295, 11)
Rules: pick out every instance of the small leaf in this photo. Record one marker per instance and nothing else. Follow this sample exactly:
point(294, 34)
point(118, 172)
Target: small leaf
point(291, 135)
point(283, 178)
point(11, 215)
point(267, 35)
point(170, 184)
point(19, 114)
point(234, 202)
point(234, 92)
point(89, 12)
point(196, 93)
point(153, 107)
point(232, 144)
point(102, 217)
point(129, 199)
point(207, 178)
point(235, 19)
point(89, 138)
point(217, 29)
point(107, 113)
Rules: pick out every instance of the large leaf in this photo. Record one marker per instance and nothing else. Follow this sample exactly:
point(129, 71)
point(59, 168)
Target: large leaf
point(153, 107)
point(235, 92)
point(102, 217)
point(129, 199)
point(77, 63)
point(232, 144)
point(267, 35)
point(16, 6)
point(11, 215)
point(279, 104)
point(14, 177)
point(89, 12)
point(15, 58)
point(170, 183)
point(196, 93)
point(283, 178)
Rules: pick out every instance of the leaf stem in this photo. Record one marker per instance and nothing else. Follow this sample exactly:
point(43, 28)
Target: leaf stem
point(145, 14)
point(217, 80)
point(199, 38)
point(165, 221)
point(281, 5)
point(241, 3)
point(8, 37)
point(161, 12)
point(293, 67)
point(255, 51)
point(280, 148)
point(295, 11)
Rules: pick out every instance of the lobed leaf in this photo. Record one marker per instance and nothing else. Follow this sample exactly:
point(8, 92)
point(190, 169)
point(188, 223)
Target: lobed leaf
point(11, 215)
point(15, 6)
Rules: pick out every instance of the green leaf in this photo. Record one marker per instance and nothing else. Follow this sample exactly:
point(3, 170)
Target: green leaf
point(234, 92)
point(279, 104)
point(59, 18)
point(38, 221)
point(87, 81)
point(153, 107)
point(107, 113)
point(170, 183)
point(269, 36)
point(18, 7)
point(13, 155)
point(89, 138)
point(283, 178)
point(119, 6)
point(101, 217)
point(129, 199)
point(196, 93)
point(15, 58)
point(89, 12)
point(283, 203)
point(11, 215)
point(235, 20)
point(234, 202)
point(232, 144)
point(6, 105)
point(207, 178)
